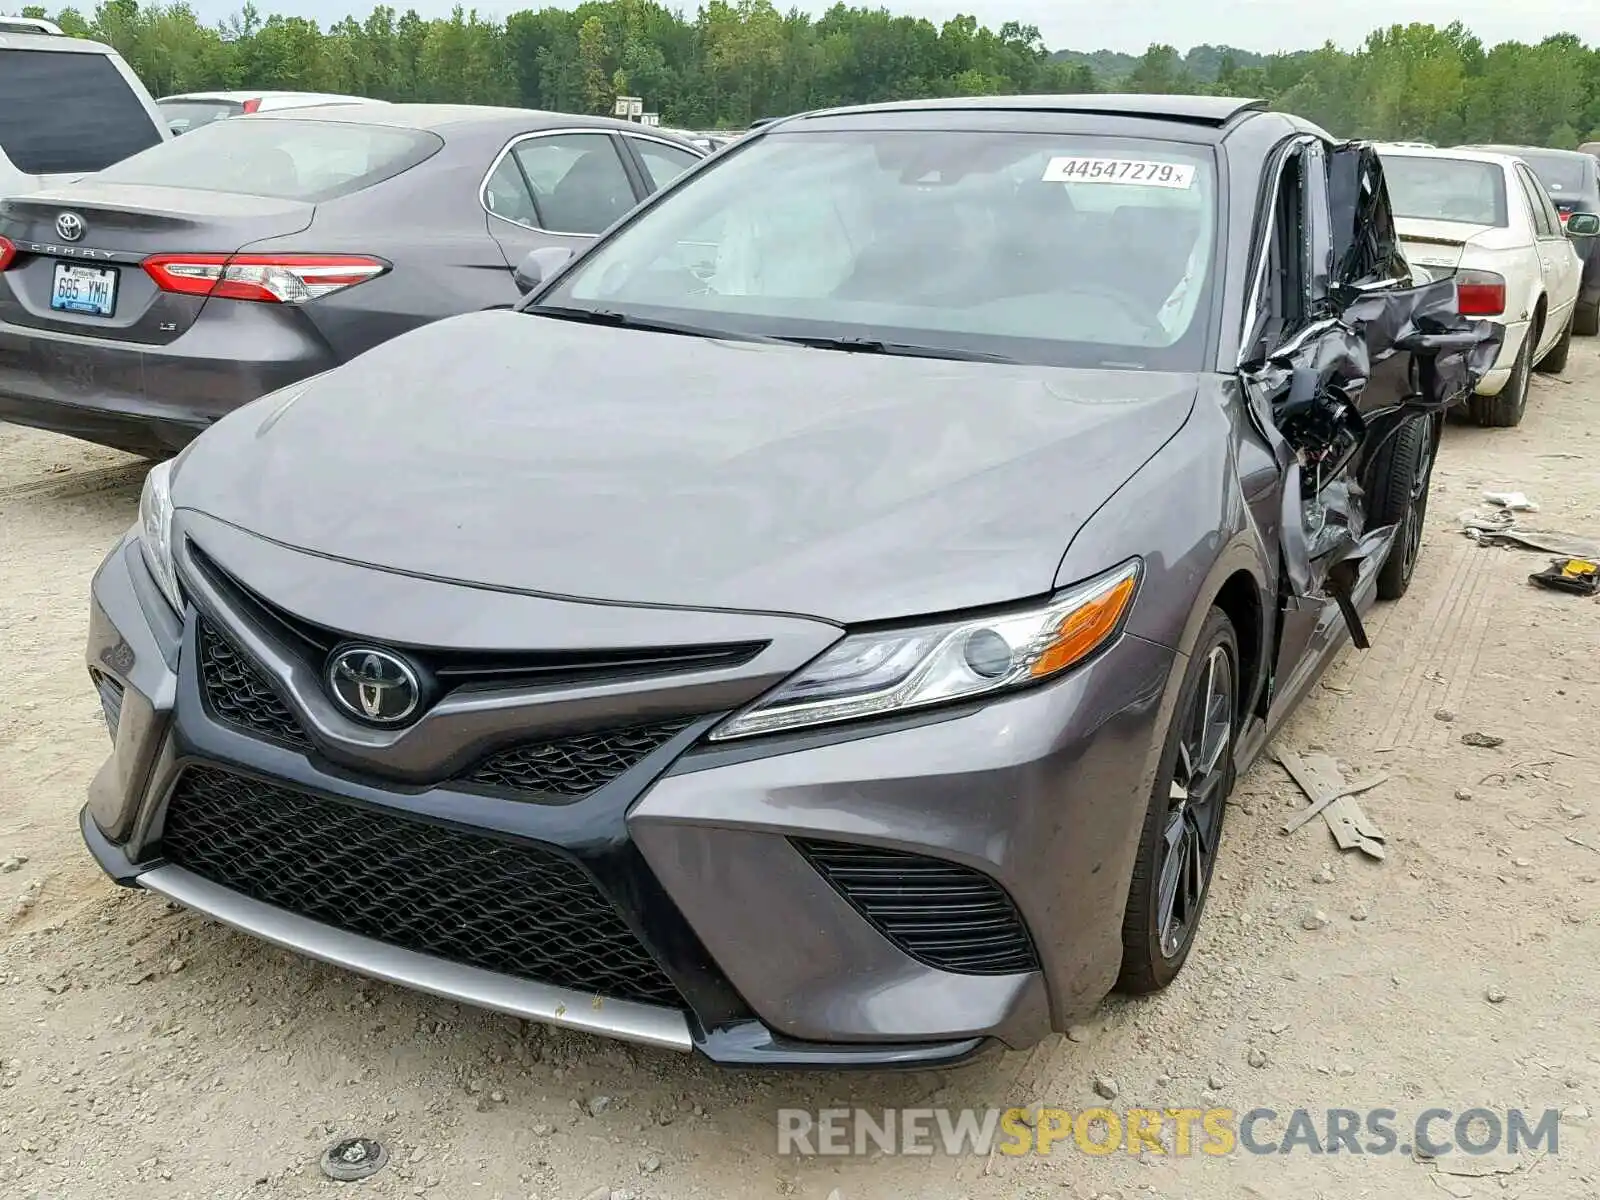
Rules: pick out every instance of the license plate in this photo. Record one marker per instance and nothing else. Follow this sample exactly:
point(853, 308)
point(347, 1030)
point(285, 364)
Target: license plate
point(89, 290)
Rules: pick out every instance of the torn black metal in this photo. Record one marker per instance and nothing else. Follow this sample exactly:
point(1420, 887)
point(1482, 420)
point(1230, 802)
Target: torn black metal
point(1306, 400)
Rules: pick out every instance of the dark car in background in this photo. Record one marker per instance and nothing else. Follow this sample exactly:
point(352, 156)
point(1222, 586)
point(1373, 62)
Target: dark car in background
point(138, 306)
point(1572, 179)
point(822, 624)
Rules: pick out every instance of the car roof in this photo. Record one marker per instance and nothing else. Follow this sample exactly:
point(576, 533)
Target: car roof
point(29, 25)
point(266, 95)
point(443, 117)
point(59, 43)
point(1215, 111)
point(1523, 151)
point(1460, 153)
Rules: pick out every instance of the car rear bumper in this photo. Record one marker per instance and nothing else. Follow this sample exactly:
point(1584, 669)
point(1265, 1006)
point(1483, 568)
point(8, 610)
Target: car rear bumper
point(1494, 380)
point(708, 856)
point(152, 399)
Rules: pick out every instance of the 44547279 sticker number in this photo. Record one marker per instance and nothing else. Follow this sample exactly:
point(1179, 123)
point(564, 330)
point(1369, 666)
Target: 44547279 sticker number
point(1137, 171)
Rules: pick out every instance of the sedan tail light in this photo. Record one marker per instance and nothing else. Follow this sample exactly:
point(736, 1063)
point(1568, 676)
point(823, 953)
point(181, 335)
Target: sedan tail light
point(268, 278)
point(1480, 293)
point(8, 251)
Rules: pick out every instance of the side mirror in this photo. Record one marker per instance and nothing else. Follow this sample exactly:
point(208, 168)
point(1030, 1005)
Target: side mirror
point(1583, 225)
point(538, 266)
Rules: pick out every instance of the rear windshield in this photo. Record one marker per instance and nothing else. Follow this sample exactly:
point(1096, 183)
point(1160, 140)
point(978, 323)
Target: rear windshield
point(1048, 248)
point(184, 115)
point(68, 114)
point(1446, 189)
point(1565, 177)
point(283, 159)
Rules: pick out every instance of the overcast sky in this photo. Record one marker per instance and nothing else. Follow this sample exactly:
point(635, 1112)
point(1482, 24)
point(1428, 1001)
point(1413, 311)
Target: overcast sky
point(1263, 25)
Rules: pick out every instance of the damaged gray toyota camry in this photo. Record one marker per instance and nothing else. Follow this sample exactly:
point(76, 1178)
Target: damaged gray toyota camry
point(822, 624)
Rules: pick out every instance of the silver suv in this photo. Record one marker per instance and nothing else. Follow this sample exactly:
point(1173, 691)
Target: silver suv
point(68, 107)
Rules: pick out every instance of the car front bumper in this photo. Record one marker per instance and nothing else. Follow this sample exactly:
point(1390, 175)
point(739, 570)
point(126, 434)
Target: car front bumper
point(707, 852)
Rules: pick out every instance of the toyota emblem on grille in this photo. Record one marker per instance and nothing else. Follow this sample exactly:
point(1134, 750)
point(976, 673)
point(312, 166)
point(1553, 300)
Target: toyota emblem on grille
point(69, 227)
point(374, 685)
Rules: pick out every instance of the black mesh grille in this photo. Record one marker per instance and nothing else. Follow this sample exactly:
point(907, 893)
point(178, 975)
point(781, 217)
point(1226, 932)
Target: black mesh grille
point(572, 768)
point(947, 916)
point(239, 695)
point(506, 906)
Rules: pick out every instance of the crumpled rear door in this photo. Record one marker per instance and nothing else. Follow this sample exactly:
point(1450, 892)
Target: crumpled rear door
point(1383, 352)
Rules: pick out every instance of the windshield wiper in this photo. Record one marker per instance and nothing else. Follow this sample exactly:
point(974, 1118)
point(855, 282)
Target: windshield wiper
point(861, 345)
point(622, 320)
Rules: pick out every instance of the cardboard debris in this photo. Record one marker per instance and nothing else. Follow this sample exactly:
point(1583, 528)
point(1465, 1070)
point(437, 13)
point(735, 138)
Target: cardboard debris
point(1317, 775)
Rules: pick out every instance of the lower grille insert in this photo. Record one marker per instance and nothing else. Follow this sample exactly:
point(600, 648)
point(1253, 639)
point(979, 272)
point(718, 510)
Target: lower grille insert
point(571, 768)
point(239, 695)
point(507, 906)
point(940, 913)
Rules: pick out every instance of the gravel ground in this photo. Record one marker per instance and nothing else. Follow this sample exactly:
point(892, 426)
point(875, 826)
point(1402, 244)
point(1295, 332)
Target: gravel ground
point(145, 1052)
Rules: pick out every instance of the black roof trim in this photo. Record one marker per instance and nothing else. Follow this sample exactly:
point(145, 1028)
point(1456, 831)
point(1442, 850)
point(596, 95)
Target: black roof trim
point(1214, 111)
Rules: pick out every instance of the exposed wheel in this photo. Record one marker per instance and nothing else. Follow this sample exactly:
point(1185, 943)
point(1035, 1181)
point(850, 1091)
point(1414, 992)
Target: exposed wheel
point(1398, 484)
point(1556, 361)
point(1586, 319)
point(1507, 408)
point(1183, 825)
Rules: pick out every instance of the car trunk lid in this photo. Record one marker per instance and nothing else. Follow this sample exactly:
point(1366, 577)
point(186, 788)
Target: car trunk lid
point(1436, 246)
point(82, 230)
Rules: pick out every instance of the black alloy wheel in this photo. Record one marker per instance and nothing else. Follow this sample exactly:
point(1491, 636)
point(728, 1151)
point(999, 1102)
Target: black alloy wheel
point(1183, 827)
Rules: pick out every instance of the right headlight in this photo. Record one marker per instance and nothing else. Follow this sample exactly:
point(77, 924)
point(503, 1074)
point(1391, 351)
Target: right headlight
point(155, 531)
point(876, 674)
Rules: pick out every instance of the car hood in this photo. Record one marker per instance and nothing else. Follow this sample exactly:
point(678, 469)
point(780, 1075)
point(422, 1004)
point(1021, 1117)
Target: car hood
point(538, 455)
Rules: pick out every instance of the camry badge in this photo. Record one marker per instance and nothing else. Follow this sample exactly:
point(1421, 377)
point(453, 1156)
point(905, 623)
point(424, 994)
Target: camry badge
point(69, 227)
point(374, 685)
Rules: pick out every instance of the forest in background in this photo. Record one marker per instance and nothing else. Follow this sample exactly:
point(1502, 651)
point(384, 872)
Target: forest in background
point(730, 63)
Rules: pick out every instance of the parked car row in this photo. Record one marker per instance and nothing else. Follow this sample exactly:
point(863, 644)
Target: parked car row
point(1489, 218)
point(821, 622)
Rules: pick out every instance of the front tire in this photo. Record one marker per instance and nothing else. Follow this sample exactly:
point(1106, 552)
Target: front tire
point(1183, 823)
point(1399, 484)
point(1505, 410)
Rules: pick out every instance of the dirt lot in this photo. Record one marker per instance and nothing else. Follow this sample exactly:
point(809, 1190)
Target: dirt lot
point(147, 1053)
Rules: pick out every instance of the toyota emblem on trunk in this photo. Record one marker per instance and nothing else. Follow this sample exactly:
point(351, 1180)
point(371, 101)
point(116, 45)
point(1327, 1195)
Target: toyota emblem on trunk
point(374, 685)
point(69, 227)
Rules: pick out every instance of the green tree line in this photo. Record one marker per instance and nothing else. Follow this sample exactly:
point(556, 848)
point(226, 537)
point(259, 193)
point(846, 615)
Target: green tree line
point(737, 60)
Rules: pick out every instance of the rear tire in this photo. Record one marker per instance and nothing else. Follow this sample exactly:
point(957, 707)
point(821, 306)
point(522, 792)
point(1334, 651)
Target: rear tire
point(1399, 483)
point(1586, 319)
point(1556, 361)
point(1505, 410)
point(1183, 823)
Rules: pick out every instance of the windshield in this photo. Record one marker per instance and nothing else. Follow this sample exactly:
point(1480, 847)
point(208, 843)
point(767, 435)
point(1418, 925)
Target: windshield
point(1565, 176)
point(184, 115)
point(283, 159)
point(1044, 248)
point(1446, 189)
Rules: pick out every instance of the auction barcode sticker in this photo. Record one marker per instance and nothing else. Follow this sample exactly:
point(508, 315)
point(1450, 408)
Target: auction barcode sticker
point(1136, 171)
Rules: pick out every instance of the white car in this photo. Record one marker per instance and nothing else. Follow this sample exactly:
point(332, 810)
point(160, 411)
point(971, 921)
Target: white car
point(68, 107)
point(1485, 219)
point(193, 109)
